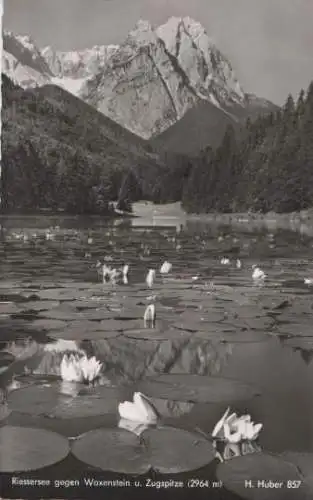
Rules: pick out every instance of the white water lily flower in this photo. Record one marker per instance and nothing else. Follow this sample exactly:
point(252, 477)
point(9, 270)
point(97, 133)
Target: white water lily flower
point(90, 368)
point(234, 429)
point(139, 410)
point(70, 370)
point(308, 281)
point(134, 427)
point(79, 369)
point(225, 261)
point(166, 267)
point(150, 315)
point(218, 429)
point(258, 274)
point(125, 271)
point(150, 277)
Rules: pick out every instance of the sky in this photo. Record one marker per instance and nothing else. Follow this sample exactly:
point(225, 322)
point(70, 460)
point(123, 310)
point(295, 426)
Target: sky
point(268, 42)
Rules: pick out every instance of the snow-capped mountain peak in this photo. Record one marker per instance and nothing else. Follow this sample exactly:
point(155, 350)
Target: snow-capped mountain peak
point(142, 34)
point(147, 83)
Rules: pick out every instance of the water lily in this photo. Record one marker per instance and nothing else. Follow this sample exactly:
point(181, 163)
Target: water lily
point(238, 264)
point(234, 429)
point(79, 369)
point(139, 410)
point(135, 427)
point(225, 261)
point(150, 277)
point(308, 281)
point(166, 267)
point(150, 315)
point(125, 271)
point(257, 273)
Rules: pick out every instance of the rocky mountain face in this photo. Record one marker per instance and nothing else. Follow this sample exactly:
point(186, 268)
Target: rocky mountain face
point(78, 64)
point(146, 84)
point(156, 76)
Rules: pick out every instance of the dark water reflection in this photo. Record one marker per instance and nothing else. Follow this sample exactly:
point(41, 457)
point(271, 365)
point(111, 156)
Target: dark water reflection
point(34, 258)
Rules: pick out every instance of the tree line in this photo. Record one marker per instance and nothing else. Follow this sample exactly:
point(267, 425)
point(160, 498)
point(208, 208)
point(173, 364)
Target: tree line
point(269, 168)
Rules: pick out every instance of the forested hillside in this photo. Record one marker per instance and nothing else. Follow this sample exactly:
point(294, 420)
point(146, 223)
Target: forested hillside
point(269, 169)
point(58, 153)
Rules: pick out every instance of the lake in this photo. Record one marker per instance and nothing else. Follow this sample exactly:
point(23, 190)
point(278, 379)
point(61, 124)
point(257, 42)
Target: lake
point(253, 340)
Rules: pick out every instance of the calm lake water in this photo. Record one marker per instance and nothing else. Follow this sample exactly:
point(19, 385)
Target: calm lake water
point(257, 334)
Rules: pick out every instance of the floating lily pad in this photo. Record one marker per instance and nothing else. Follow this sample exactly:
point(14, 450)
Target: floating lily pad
point(5, 411)
point(232, 337)
point(156, 334)
point(62, 294)
point(48, 324)
point(98, 315)
point(275, 303)
point(304, 462)
point(118, 325)
point(84, 330)
point(35, 399)
point(85, 304)
point(64, 400)
point(88, 404)
point(296, 330)
point(8, 308)
point(196, 388)
point(258, 323)
point(304, 343)
point(25, 449)
point(248, 312)
point(39, 305)
point(202, 316)
point(132, 313)
point(166, 450)
point(256, 467)
point(6, 358)
point(63, 314)
point(211, 329)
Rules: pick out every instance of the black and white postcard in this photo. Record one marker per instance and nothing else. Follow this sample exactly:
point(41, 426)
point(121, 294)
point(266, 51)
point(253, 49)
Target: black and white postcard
point(156, 250)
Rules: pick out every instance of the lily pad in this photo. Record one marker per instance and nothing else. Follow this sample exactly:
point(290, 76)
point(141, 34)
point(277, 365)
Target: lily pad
point(68, 314)
point(84, 330)
point(196, 388)
point(210, 329)
point(88, 404)
point(39, 305)
point(166, 450)
point(85, 304)
point(5, 411)
point(64, 400)
point(62, 294)
point(156, 334)
point(201, 316)
point(25, 449)
point(304, 343)
point(6, 358)
point(232, 337)
point(258, 323)
point(118, 325)
point(256, 467)
point(48, 324)
point(98, 315)
point(304, 462)
point(8, 308)
point(133, 313)
point(296, 330)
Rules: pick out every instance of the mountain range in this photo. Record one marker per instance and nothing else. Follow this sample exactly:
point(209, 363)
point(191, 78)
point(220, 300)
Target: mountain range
point(170, 85)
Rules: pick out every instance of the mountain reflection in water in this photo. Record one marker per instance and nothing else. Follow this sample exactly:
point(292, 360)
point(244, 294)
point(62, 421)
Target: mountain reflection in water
point(50, 287)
